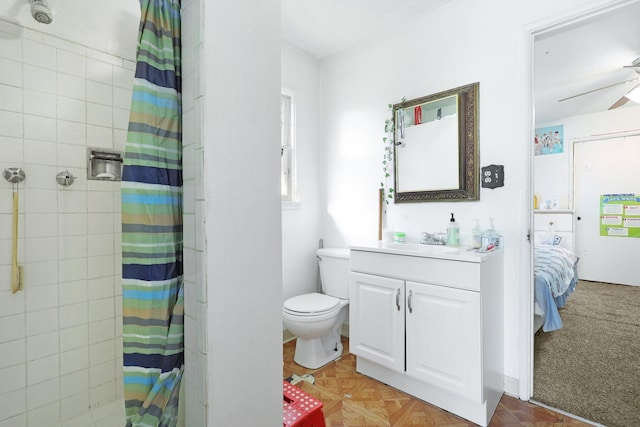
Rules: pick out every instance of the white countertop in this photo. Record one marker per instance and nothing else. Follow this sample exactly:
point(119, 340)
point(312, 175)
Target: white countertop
point(460, 253)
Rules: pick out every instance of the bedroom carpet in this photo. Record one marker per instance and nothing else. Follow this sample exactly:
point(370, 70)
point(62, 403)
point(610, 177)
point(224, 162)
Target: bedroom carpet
point(591, 367)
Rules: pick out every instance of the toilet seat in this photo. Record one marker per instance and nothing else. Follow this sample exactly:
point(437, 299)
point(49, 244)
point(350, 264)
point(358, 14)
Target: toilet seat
point(311, 304)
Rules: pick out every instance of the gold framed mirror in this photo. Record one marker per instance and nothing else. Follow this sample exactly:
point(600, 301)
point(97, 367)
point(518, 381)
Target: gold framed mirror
point(436, 147)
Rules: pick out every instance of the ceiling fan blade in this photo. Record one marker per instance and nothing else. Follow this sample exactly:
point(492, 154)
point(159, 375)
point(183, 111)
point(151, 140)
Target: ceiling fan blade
point(600, 88)
point(620, 102)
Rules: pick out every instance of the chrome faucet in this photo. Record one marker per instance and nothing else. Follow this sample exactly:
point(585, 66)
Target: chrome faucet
point(432, 239)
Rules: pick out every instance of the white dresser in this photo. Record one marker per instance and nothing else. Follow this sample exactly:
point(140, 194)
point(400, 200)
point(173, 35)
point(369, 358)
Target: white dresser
point(550, 222)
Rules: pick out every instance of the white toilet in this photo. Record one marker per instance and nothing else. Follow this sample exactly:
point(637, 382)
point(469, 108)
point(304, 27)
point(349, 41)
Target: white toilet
point(316, 319)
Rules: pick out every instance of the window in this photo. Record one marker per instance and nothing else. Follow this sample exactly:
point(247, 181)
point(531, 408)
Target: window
point(287, 148)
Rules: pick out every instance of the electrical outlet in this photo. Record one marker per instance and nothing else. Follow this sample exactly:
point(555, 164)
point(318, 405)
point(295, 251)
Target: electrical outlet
point(492, 176)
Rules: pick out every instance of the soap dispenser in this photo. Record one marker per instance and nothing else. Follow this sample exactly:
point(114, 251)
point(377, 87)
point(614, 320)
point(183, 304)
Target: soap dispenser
point(453, 232)
point(491, 239)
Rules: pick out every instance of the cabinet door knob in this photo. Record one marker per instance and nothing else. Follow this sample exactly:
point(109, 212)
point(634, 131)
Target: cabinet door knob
point(398, 299)
point(409, 302)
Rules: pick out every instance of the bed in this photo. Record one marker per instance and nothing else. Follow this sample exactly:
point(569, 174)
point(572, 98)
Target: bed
point(555, 278)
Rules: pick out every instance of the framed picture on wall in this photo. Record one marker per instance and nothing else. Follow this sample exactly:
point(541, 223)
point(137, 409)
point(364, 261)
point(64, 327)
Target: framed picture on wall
point(549, 140)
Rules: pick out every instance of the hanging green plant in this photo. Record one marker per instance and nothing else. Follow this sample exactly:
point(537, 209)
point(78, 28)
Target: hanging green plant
point(387, 161)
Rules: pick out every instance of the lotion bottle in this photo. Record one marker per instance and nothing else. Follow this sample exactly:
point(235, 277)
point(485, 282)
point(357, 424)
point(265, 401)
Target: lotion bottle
point(476, 235)
point(453, 232)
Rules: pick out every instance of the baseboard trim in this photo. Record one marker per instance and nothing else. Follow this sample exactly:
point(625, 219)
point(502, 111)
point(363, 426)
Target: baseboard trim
point(345, 330)
point(512, 386)
point(288, 336)
point(560, 411)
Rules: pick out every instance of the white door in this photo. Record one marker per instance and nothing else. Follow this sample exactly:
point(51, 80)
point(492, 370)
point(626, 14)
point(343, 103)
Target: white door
point(605, 167)
point(376, 320)
point(443, 338)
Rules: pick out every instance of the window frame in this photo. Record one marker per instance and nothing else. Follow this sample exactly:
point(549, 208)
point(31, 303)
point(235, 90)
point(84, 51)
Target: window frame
point(289, 99)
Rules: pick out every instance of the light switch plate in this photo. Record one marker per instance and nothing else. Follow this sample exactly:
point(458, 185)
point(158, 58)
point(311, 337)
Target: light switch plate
point(492, 176)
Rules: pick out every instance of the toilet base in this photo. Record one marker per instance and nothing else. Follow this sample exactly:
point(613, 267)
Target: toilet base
point(315, 353)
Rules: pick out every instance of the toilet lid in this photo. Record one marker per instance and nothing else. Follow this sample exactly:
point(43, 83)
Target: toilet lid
point(311, 303)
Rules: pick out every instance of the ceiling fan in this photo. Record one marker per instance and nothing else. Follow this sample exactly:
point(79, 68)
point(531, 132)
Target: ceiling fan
point(633, 93)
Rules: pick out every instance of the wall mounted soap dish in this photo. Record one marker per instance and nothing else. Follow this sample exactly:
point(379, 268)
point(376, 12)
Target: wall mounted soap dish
point(104, 165)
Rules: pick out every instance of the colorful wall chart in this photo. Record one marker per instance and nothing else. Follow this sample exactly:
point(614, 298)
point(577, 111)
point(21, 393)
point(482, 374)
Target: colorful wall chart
point(620, 215)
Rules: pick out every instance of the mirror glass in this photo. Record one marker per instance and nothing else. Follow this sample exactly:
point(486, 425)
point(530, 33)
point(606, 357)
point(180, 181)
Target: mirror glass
point(435, 147)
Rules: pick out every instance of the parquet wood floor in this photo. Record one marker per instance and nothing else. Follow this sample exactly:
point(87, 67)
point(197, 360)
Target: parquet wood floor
point(351, 399)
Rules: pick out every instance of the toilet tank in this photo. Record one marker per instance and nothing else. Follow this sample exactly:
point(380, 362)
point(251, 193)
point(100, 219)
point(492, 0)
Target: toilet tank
point(334, 271)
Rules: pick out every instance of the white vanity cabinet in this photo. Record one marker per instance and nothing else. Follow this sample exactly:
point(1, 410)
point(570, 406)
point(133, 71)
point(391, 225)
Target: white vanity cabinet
point(430, 325)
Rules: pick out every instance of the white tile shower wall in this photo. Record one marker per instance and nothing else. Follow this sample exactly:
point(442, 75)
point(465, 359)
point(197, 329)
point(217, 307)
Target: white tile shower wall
point(60, 338)
point(194, 249)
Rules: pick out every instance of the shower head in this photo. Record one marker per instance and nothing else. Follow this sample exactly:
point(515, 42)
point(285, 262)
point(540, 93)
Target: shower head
point(40, 11)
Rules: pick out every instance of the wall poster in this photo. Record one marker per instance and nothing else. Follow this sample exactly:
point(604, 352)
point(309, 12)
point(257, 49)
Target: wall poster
point(620, 215)
point(549, 140)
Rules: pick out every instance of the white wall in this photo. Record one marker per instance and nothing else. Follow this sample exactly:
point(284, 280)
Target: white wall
point(460, 43)
point(60, 338)
point(301, 222)
point(552, 173)
point(241, 220)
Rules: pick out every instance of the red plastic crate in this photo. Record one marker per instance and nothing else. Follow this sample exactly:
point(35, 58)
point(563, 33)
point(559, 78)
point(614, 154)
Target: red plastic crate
point(300, 409)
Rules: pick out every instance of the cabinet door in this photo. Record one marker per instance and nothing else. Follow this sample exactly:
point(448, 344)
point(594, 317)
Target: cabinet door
point(376, 320)
point(443, 338)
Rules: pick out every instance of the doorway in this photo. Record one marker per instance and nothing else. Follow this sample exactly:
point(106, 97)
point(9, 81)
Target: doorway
point(607, 166)
point(564, 162)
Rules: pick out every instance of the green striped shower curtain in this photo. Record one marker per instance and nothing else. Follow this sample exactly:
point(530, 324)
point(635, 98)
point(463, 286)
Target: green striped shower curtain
point(152, 269)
